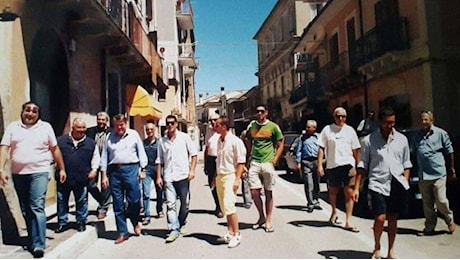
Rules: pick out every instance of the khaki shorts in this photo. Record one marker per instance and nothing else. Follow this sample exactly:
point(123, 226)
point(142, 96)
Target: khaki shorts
point(225, 193)
point(261, 175)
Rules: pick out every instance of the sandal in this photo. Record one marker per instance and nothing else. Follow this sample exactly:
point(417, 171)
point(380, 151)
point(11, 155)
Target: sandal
point(269, 229)
point(258, 225)
point(334, 221)
point(352, 229)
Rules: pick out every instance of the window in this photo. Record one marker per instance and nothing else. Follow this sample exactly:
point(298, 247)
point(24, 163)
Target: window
point(334, 49)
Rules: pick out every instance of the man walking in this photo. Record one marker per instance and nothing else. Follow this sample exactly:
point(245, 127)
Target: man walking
point(231, 158)
point(99, 134)
point(431, 144)
point(121, 157)
point(265, 141)
point(81, 159)
point(211, 139)
point(385, 158)
point(340, 144)
point(175, 150)
point(31, 144)
point(151, 149)
point(307, 162)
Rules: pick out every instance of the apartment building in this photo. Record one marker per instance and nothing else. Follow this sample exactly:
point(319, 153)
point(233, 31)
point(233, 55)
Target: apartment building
point(75, 58)
point(176, 44)
point(363, 55)
point(276, 39)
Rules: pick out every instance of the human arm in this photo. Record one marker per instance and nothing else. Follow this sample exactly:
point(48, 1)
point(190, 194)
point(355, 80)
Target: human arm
point(191, 173)
point(95, 162)
point(57, 156)
point(279, 151)
point(239, 172)
point(451, 176)
point(3, 155)
point(320, 169)
point(358, 176)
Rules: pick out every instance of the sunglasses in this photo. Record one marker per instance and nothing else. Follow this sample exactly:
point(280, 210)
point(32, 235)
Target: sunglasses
point(212, 120)
point(341, 116)
point(260, 111)
point(170, 122)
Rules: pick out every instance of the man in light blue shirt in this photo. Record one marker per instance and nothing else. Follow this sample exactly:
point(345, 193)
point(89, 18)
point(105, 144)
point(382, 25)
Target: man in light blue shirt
point(431, 144)
point(122, 154)
point(175, 150)
point(307, 162)
point(385, 158)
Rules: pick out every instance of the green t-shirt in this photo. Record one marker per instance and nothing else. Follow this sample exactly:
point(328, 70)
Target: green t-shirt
point(263, 138)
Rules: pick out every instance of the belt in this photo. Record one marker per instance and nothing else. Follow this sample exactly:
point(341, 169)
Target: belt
point(310, 158)
point(119, 165)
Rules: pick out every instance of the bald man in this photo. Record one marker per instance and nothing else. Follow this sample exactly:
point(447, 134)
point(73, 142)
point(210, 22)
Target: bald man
point(81, 159)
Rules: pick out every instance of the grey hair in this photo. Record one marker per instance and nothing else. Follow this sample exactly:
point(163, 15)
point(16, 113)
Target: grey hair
point(312, 122)
point(339, 109)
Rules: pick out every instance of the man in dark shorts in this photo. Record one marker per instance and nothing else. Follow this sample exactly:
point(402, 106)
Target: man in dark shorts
point(385, 156)
point(340, 144)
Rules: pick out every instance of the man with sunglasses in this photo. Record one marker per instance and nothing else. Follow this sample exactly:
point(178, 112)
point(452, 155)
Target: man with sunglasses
point(340, 144)
point(265, 143)
point(177, 153)
point(212, 136)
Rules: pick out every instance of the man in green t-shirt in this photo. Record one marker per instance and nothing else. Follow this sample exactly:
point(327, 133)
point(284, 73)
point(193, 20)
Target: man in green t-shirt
point(265, 143)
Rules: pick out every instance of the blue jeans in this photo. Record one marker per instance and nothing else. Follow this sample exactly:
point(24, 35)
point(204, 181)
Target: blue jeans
point(124, 182)
point(173, 190)
point(81, 199)
point(31, 190)
point(146, 183)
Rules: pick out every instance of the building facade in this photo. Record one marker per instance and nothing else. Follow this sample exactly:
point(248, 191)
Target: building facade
point(363, 55)
point(276, 39)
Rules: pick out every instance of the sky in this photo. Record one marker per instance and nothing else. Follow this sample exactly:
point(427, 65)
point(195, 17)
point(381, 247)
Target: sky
point(225, 49)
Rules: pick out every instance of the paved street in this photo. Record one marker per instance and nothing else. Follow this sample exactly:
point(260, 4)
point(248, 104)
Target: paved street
point(298, 234)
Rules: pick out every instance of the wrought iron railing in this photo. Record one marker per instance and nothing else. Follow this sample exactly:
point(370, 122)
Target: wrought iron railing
point(390, 36)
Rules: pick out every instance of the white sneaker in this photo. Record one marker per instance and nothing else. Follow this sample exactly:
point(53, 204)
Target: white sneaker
point(225, 238)
point(234, 241)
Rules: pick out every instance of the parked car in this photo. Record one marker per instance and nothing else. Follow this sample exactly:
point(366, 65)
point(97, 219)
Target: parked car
point(289, 156)
point(289, 138)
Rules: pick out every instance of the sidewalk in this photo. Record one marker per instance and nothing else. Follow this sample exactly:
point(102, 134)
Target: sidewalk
point(71, 243)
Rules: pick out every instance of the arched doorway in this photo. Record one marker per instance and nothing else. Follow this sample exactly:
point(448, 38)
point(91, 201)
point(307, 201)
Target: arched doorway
point(49, 78)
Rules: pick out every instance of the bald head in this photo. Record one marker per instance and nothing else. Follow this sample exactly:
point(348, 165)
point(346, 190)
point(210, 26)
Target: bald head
point(78, 128)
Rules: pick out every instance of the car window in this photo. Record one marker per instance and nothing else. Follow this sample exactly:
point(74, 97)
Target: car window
point(289, 139)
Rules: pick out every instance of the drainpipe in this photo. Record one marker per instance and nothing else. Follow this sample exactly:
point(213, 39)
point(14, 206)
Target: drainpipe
point(364, 77)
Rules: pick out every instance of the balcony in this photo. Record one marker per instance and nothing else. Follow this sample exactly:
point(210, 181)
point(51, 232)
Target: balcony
point(337, 68)
point(187, 54)
point(184, 14)
point(384, 38)
point(308, 90)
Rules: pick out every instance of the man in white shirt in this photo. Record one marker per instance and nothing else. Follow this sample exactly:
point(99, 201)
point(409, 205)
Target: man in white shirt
point(231, 158)
point(210, 152)
point(175, 150)
point(340, 144)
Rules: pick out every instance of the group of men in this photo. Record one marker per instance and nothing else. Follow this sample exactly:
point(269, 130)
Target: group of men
point(383, 156)
point(119, 157)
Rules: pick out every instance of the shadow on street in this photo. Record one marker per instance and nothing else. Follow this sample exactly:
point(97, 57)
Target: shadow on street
point(345, 254)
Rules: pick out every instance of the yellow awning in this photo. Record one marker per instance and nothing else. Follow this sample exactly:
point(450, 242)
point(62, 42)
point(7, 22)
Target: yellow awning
point(140, 103)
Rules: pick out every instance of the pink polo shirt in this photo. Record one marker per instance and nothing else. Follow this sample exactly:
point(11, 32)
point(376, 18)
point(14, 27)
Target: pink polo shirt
point(29, 146)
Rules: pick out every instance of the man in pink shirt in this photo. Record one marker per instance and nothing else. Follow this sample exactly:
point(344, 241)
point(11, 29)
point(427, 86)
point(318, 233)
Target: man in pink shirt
point(31, 144)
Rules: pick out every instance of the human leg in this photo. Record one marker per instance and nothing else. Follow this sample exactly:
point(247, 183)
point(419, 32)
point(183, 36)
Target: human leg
point(160, 199)
point(426, 189)
point(117, 190)
point(63, 194)
point(392, 229)
point(441, 201)
point(255, 184)
point(349, 203)
point(31, 190)
point(171, 213)
point(308, 184)
point(183, 191)
point(146, 184)
point(133, 195)
point(81, 201)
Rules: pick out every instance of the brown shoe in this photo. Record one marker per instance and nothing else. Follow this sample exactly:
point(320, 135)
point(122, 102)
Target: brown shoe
point(101, 215)
point(137, 230)
point(121, 239)
point(451, 227)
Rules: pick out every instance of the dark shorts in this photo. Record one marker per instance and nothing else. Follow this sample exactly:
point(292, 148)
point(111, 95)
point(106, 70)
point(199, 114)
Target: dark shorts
point(341, 176)
point(396, 203)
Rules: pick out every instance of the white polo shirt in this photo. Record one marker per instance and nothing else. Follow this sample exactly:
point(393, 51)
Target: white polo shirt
point(29, 146)
point(231, 152)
